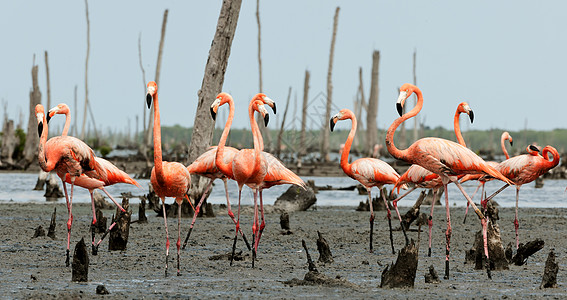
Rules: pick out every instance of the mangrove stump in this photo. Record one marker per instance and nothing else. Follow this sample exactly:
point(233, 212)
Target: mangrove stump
point(325, 255)
point(80, 264)
point(549, 279)
point(51, 230)
point(525, 251)
point(119, 234)
point(402, 273)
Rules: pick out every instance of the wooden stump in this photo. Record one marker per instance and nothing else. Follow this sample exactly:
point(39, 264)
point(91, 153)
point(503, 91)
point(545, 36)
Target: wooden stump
point(496, 253)
point(431, 276)
point(80, 262)
point(100, 225)
point(100, 202)
point(119, 234)
point(142, 211)
point(325, 255)
point(549, 279)
point(39, 231)
point(51, 231)
point(413, 213)
point(525, 251)
point(52, 190)
point(296, 199)
point(402, 273)
point(41, 179)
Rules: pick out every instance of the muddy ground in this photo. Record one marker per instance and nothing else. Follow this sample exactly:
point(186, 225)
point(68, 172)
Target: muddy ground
point(35, 268)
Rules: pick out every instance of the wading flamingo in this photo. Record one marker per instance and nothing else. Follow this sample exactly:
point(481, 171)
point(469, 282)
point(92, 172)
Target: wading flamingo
point(169, 179)
point(442, 157)
point(89, 180)
point(370, 172)
point(526, 168)
point(483, 179)
point(249, 166)
point(423, 178)
point(68, 156)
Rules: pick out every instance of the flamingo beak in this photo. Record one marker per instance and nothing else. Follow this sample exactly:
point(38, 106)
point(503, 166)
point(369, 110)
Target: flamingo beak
point(266, 120)
point(213, 114)
point(400, 108)
point(48, 117)
point(511, 143)
point(149, 100)
point(40, 128)
point(332, 123)
point(534, 148)
point(274, 107)
point(400, 103)
point(471, 115)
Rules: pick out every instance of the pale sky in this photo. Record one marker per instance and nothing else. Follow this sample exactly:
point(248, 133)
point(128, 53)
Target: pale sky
point(506, 58)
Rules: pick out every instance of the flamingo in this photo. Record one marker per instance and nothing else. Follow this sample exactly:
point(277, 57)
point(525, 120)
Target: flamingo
point(249, 166)
point(442, 157)
point(483, 179)
point(69, 157)
point(205, 165)
point(169, 179)
point(525, 168)
point(370, 172)
point(423, 178)
point(90, 180)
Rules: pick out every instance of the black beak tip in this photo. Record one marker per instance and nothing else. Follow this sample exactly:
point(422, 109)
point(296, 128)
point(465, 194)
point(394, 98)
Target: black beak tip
point(511, 143)
point(149, 100)
point(213, 114)
point(48, 117)
point(331, 124)
point(274, 108)
point(399, 108)
point(471, 116)
point(39, 129)
point(266, 120)
point(534, 148)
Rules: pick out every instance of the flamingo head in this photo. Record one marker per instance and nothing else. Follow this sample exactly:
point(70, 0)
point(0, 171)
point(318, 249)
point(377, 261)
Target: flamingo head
point(266, 100)
point(259, 107)
point(61, 108)
point(40, 115)
point(343, 114)
point(533, 150)
point(221, 99)
point(405, 91)
point(151, 91)
point(465, 108)
point(506, 136)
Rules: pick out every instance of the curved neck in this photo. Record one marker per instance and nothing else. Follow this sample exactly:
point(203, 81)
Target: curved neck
point(219, 159)
point(257, 136)
point(158, 163)
point(545, 153)
point(457, 127)
point(41, 150)
point(346, 150)
point(67, 123)
point(395, 152)
point(503, 144)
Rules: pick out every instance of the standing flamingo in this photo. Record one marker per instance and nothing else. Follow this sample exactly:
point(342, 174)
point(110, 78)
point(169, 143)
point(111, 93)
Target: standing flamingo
point(205, 164)
point(483, 179)
point(169, 179)
point(443, 157)
point(423, 178)
point(70, 157)
point(370, 172)
point(90, 180)
point(249, 166)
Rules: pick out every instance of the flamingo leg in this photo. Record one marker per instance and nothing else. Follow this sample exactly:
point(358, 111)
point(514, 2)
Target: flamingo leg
point(231, 214)
point(69, 221)
point(166, 235)
point(94, 250)
point(389, 215)
point(371, 217)
point(430, 220)
point(484, 227)
point(472, 197)
point(516, 223)
point(178, 244)
point(395, 204)
point(255, 227)
point(447, 233)
point(237, 226)
point(197, 209)
point(263, 224)
point(95, 247)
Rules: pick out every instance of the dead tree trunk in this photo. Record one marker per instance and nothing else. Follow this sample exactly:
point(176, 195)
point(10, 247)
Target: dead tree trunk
point(143, 79)
point(263, 129)
point(372, 111)
point(9, 141)
point(149, 130)
point(360, 106)
point(302, 146)
point(32, 140)
point(74, 129)
point(416, 118)
point(324, 129)
point(280, 134)
point(212, 85)
point(48, 84)
point(86, 70)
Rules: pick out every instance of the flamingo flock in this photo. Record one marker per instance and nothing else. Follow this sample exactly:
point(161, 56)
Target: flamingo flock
point(435, 163)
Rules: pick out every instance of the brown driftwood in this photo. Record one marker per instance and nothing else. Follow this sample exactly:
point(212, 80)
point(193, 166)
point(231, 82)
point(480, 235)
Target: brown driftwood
point(101, 290)
point(402, 273)
point(52, 189)
point(118, 239)
point(80, 265)
point(549, 279)
point(41, 179)
point(525, 251)
point(284, 223)
point(413, 213)
point(296, 198)
point(51, 230)
point(325, 255)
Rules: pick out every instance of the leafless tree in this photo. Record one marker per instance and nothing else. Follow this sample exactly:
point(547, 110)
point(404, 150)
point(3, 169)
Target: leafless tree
point(48, 82)
point(264, 131)
point(280, 134)
point(86, 70)
point(302, 145)
point(416, 118)
point(32, 140)
point(372, 111)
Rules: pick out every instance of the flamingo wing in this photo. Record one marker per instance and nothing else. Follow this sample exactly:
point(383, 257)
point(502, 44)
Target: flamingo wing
point(522, 169)
point(205, 165)
point(114, 174)
point(279, 174)
point(373, 172)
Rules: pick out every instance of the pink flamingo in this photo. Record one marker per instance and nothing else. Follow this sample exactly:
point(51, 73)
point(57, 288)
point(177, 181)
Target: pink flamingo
point(70, 157)
point(90, 180)
point(483, 179)
point(370, 172)
point(169, 179)
point(249, 166)
point(423, 178)
point(524, 169)
point(442, 157)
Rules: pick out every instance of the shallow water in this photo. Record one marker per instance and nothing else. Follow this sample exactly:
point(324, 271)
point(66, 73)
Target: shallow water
point(18, 187)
